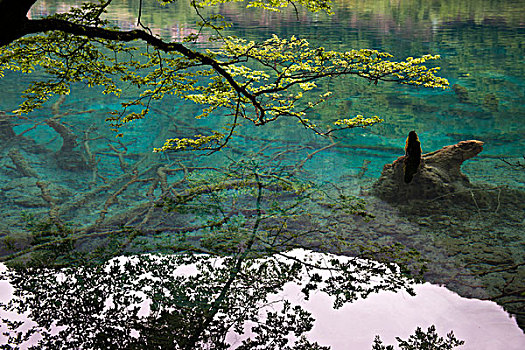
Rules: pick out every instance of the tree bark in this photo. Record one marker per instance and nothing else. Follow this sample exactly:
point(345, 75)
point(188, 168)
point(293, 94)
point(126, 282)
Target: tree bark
point(13, 19)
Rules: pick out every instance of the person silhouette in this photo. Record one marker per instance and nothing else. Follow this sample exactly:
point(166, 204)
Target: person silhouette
point(412, 156)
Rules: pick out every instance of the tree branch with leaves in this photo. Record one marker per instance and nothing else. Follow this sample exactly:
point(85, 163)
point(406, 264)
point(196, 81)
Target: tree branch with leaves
point(257, 82)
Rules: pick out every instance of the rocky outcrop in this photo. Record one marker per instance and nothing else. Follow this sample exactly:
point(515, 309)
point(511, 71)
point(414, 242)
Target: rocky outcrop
point(439, 174)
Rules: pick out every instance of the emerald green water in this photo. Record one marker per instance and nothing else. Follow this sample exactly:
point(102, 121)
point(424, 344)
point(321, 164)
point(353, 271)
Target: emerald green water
point(482, 45)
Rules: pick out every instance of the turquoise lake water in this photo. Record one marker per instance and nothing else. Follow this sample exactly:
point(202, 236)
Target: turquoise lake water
point(482, 48)
point(481, 45)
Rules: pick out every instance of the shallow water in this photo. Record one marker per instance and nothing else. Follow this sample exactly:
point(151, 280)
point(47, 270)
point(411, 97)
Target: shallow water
point(482, 48)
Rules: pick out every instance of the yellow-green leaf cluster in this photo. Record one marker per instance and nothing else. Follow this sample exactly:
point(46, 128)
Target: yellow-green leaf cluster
point(358, 121)
point(200, 142)
point(271, 5)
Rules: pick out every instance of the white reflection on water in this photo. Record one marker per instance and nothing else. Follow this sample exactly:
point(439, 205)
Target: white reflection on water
point(483, 325)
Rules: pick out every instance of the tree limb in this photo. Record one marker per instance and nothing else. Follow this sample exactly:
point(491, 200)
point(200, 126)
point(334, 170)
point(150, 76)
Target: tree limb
point(26, 26)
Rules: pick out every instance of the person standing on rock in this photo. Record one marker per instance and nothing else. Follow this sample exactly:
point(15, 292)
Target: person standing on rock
point(412, 156)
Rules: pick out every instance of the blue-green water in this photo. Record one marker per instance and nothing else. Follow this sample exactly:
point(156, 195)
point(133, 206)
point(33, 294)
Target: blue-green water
point(481, 45)
point(482, 48)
